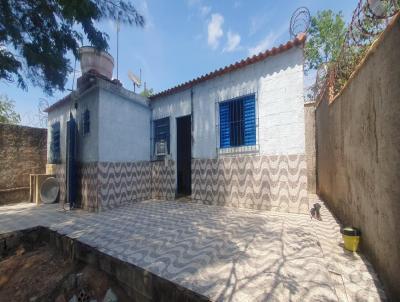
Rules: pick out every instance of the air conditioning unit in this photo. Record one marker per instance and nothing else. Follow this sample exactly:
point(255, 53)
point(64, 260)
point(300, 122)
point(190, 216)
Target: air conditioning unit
point(161, 148)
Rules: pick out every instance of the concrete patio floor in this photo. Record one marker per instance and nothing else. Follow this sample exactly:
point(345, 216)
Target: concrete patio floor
point(226, 254)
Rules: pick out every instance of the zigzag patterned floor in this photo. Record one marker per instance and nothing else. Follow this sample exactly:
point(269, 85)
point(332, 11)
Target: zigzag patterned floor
point(224, 253)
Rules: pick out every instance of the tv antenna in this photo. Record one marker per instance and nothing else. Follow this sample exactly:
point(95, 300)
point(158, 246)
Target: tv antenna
point(118, 28)
point(137, 81)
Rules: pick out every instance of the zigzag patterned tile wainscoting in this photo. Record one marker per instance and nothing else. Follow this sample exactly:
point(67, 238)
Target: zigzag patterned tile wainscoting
point(60, 173)
point(277, 183)
point(123, 182)
point(163, 180)
point(104, 185)
point(87, 190)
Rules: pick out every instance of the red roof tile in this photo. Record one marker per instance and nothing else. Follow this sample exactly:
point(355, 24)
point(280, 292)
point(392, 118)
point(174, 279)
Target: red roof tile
point(299, 40)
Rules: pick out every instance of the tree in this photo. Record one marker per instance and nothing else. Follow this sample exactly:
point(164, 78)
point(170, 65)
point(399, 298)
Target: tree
point(36, 36)
point(147, 92)
point(7, 112)
point(325, 39)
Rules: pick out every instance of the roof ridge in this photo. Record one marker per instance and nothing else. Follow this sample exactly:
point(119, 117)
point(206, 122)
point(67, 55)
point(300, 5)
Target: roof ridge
point(298, 40)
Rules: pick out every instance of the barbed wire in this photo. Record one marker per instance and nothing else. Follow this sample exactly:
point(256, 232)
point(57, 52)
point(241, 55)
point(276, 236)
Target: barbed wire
point(369, 20)
point(299, 22)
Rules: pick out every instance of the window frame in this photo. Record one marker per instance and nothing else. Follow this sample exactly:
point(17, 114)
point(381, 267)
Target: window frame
point(86, 124)
point(242, 148)
point(167, 136)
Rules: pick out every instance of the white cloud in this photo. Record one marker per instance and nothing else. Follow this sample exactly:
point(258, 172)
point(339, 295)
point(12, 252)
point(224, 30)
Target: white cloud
point(233, 42)
point(215, 31)
point(266, 43)
point(205, 10)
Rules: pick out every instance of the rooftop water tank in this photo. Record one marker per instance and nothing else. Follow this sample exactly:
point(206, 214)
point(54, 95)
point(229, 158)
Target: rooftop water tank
point(93, 59)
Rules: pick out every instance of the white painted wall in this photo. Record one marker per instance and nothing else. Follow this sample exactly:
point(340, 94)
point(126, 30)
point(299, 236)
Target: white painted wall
point(124, 128)
point(278, 84)
point(172, 106)
point(121, 121)
point(87, 144)
point(60, 114)
point(119, 125)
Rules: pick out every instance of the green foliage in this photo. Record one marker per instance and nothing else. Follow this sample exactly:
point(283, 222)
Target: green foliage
point(7, 112)
point(325, 39)
point(147, 92)
point(36, 36)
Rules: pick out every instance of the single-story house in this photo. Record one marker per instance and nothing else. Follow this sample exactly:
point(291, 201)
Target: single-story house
point(233, 137)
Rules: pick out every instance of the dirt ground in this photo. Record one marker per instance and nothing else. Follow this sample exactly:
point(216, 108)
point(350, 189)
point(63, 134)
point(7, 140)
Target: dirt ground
point(42, 274)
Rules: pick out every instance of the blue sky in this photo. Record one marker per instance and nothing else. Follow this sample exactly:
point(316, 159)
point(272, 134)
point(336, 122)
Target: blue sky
point(183, 39)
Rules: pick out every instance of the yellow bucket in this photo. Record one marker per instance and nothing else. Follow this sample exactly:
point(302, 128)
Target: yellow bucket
point(351, 238)
point(351, 242)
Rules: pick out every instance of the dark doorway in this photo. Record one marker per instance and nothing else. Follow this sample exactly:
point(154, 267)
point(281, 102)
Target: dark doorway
point(71, 163)
point(184, 155)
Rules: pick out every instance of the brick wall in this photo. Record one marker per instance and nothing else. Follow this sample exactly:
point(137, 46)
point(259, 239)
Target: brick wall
point(22, 152)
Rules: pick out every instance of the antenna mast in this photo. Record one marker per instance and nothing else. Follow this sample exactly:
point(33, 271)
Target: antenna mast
point(117, 46)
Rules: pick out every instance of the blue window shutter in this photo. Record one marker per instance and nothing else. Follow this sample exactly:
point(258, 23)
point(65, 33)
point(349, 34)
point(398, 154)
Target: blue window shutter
point(162, 131)
point(86, 122)
point(55, 150)
point(224, 121)
point(249, 105)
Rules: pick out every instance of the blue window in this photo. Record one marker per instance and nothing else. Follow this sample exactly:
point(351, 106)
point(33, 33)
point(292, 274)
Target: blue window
point(161, 131)
point(237, 120)
point(55, 150)
point(86, 122)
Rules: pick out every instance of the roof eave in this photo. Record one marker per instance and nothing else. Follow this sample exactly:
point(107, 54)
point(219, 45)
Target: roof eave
point(298, 41)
